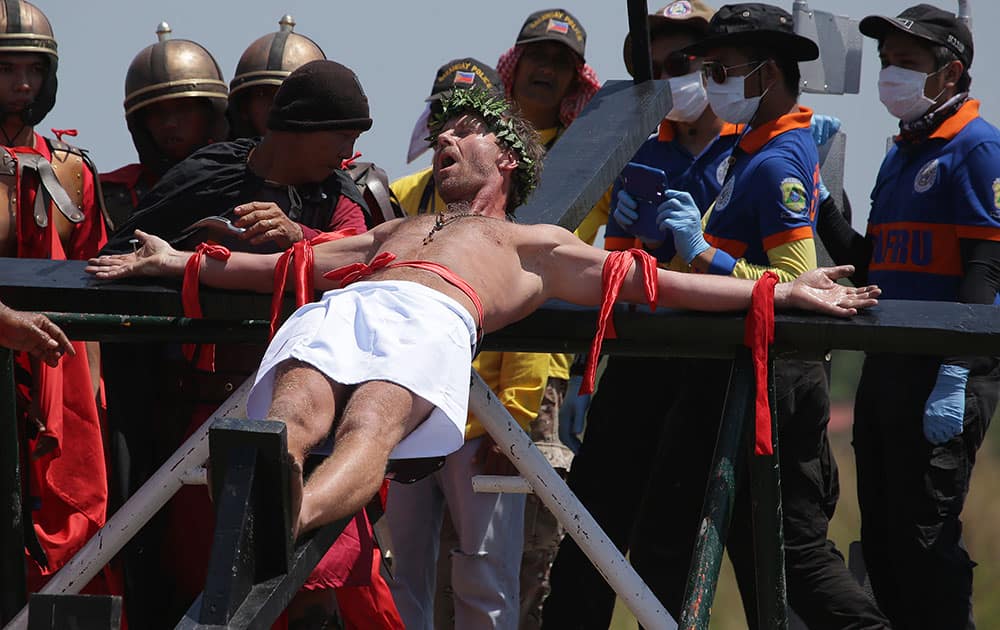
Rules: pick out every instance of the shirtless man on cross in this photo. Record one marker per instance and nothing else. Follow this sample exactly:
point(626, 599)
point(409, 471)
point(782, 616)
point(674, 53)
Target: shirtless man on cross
point(389, 355)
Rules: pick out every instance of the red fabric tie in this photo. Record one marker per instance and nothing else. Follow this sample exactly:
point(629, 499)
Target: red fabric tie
point(300, 257)
point(758, 336)
point(64, 132)
point(346, 164)
point(616, 267)
point(192, 303)
point(356, 271)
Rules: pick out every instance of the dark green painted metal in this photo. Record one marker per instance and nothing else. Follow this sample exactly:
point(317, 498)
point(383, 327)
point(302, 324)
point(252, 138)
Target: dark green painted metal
point(138, 328)
point(728, 461)
point(766, 520)
point(13, 594)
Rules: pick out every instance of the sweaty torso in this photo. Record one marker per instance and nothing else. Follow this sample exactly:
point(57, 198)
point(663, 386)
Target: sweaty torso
point(501, 261)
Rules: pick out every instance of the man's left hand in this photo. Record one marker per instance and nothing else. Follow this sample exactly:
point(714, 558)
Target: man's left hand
point(817, 290)
point(265, 222)
point(944, 413)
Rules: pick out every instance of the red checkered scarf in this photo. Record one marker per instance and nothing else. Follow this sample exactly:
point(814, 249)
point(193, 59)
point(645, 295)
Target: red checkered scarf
point(572, 104)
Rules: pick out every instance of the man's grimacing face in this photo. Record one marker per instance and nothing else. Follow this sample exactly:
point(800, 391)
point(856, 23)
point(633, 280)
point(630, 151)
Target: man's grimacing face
point(466, 156)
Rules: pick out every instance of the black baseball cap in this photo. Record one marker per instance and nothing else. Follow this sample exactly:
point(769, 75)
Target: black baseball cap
point(464, 73)
point(554, 25)
point(928, 23)
point(755, 24)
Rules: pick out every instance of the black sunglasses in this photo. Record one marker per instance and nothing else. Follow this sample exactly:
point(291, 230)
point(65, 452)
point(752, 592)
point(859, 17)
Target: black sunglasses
point(677, 64)
point(719, 73)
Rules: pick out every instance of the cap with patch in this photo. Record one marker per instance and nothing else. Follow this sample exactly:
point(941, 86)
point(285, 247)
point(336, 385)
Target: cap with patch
point(554, 25)
point(693, 15)
point(464, 73)
point(754, 24)
point(928, 23)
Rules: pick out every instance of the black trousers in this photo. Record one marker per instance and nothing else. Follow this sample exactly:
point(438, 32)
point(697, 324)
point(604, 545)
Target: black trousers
point(664, 529)
point(609, 475)
point(911, 492)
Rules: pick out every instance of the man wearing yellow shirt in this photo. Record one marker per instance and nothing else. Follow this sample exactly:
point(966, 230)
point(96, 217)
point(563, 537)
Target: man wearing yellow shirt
point(546, 74)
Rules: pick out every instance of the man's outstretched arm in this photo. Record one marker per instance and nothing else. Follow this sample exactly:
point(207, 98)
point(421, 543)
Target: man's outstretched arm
point(242, 271)
point(573, 271)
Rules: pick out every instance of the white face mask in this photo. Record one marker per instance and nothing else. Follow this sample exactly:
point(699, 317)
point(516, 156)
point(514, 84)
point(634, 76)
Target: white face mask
point(902, 92)
point(687, 92)
point(728, 102)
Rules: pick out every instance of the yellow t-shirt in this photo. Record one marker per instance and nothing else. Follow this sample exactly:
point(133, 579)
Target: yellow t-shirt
point(518, 379)
point(412, 188)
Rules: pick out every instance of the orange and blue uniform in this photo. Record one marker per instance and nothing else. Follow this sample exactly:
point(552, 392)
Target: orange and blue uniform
point(933, 234)
point(701, 175)
point(762, 219)
point(764, 215)
point(929, 197)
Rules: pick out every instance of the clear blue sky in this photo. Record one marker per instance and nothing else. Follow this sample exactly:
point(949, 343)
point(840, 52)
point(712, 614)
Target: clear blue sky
point(395, 47)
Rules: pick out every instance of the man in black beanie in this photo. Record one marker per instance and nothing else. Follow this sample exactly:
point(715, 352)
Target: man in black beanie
point(281, 188)
point(275, 191)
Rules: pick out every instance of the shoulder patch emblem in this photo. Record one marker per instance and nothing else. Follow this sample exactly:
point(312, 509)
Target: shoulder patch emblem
point(677, 9)
point(793, 194)
point(926, 177)
point(724, 196)
point(720, 173)
point(996, 193)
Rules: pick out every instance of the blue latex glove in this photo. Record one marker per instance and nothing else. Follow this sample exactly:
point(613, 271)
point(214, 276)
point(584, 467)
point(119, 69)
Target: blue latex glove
point(680, 216)
point(638, 218)
point(573, 414)
point(626, 210)
point(945, 410)
point(824, 194)
point(823, 128)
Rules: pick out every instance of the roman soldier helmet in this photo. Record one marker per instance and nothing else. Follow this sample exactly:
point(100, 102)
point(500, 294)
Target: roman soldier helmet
point(267, 61)
point(170, 69)
point(25, 29)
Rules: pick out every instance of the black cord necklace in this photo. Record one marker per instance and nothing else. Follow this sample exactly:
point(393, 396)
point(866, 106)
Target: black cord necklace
point(442, 219)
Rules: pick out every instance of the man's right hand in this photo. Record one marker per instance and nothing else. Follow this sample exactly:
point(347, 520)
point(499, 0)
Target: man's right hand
point(154, 257)
point(35, 334)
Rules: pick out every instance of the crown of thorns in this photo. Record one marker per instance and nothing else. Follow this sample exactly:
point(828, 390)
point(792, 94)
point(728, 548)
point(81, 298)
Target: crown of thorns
point(495, 112)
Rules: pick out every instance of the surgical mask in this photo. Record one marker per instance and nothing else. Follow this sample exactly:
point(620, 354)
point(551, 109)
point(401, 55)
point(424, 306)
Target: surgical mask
point(687, 92)
point(902, 92)
point(728, 102)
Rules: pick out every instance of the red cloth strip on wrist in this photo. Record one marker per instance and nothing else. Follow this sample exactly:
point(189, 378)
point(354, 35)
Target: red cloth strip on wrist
point(758, 336)
point(616, 267)
point(300, 257)
point(192, 303)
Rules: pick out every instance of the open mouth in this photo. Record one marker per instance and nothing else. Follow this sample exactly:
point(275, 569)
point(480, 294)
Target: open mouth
point(445, 161)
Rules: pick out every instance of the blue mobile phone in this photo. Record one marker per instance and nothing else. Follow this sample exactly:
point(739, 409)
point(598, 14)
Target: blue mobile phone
point(646, 185)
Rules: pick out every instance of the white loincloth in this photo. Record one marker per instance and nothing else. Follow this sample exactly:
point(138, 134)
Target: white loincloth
point(396, 331)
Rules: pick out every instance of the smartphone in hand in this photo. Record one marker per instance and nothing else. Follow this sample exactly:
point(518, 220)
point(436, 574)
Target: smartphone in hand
point(646, 185)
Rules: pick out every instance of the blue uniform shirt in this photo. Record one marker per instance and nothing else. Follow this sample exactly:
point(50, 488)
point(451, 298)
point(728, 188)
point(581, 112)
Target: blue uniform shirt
point(769, 197)
point(700, 175)
point(928, 196)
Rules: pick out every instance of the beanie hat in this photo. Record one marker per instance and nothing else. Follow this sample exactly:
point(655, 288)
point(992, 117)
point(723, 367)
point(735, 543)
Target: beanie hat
point(321, 95)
